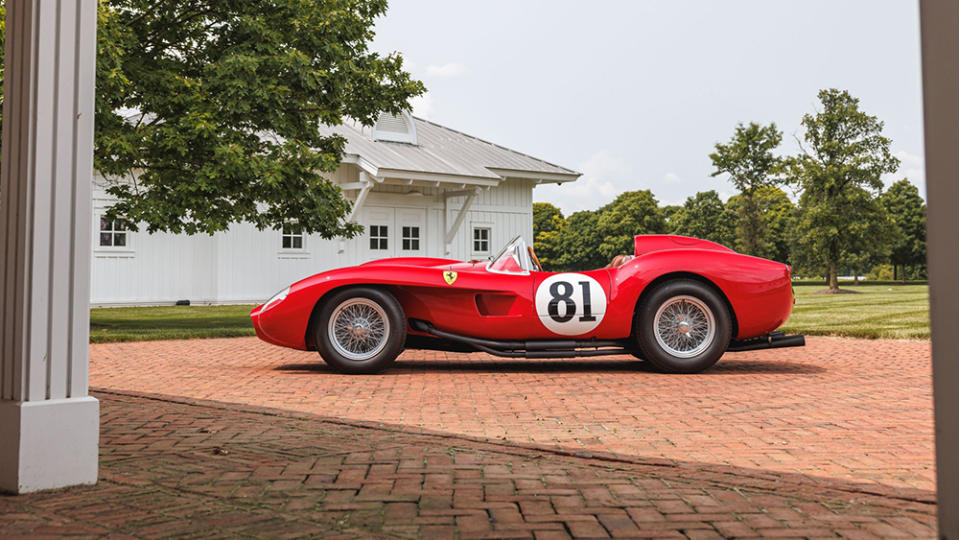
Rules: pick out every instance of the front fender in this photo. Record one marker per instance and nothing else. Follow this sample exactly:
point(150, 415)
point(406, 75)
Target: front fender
point(286, 323)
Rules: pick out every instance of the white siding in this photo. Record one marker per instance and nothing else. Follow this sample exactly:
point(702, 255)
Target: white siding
point(507, 210)
point(247, 265)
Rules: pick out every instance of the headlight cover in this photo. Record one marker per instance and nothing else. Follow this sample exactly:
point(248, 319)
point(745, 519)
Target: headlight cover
point(276, 299)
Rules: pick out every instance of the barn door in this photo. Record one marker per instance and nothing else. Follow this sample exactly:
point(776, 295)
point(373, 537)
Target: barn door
point(380, 234)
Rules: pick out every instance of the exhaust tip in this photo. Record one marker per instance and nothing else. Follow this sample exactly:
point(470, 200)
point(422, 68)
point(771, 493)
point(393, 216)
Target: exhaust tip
point(421, 326)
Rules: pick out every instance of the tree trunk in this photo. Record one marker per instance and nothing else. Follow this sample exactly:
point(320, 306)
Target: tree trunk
point(904, 274)
point(855, 277)
point(831, 277)
point(895, 272)
point(751, 225)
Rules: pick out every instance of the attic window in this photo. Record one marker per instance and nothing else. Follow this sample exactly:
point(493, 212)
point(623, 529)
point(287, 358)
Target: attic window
point(395, 128)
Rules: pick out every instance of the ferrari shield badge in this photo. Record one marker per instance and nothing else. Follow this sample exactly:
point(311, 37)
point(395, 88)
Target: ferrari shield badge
point(449, 276)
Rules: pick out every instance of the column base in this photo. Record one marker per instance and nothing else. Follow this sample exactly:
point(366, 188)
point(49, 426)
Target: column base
point(48, 444)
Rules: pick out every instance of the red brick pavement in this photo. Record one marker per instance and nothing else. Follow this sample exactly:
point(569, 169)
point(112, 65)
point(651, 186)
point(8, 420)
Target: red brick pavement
point(211, 470)
point(853, 410)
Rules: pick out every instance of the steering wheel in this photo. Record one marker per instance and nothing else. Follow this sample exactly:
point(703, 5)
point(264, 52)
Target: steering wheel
point(532, 256)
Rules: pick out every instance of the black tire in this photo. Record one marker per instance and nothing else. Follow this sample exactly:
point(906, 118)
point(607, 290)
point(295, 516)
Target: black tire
point(386, 349)
point(689, 298)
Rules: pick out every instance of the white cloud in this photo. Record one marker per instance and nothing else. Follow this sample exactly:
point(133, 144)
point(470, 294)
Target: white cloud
point(911, 166)
point(422, 106)
point(603, 173)
point(446, 71)
point(672, 178)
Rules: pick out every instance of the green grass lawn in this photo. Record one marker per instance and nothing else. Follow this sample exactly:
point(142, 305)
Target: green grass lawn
point(169, 322)
point(877, 311)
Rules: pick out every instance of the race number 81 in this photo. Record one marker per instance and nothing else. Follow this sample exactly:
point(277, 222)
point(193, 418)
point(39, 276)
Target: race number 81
point(570, 304)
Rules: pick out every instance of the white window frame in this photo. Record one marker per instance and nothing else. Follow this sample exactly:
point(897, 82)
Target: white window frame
point(292, 252)
point(418, 238)
point(378, 237)
point(124, 251)
point(488, 227)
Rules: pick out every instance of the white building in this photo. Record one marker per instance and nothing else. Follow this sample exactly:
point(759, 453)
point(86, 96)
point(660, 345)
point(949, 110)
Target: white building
point(419, 189)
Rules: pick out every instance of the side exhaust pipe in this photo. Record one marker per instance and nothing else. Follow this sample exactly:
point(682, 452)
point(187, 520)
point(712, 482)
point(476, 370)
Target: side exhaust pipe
point(547, 348)
point(775, 340)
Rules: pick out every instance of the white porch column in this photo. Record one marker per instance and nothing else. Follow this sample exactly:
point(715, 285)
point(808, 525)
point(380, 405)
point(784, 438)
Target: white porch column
point(48, 423)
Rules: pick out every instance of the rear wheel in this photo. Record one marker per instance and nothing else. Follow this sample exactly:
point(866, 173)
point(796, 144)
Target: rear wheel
point(683, 326)
point(360, 330)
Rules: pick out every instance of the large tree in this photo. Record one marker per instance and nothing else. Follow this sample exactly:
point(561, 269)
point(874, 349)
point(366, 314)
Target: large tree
point(843, 152)
point(704, 216)
point(778, 216)
point(672, 214)
point(548, 225)
point(631, 213)
point(749, 161)
point(907, 211)
point(873, 233)
point(579, 242)
point(207, 112)
point(546, 217)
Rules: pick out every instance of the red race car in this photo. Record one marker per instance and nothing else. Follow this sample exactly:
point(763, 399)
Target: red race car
point(677, 302)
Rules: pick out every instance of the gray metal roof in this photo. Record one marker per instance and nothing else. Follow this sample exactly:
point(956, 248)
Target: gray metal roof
point(441, 150)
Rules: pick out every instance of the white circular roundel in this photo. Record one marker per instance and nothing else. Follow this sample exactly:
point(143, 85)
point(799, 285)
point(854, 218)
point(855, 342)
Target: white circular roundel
point(570, 304)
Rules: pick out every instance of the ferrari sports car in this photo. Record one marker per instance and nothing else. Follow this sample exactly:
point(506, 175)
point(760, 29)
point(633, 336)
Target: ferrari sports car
point(677, 302)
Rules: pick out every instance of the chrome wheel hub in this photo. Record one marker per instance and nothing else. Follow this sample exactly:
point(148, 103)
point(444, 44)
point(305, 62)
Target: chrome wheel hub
point(684, 326)
point(359, 329)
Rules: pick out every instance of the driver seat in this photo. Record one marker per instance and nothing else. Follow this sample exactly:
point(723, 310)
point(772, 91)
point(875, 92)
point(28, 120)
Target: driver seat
point(619, 260)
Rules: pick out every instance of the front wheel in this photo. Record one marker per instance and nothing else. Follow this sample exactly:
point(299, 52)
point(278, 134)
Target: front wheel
point(683, 326)
point(360, 330)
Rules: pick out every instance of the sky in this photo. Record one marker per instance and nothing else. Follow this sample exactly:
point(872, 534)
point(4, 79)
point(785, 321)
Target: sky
point(635, 94)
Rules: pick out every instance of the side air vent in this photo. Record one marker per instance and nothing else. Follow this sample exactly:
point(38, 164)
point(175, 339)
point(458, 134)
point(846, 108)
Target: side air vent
point(395, 128)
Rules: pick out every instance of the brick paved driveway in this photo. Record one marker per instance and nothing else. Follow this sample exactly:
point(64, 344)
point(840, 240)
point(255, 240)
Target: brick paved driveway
point(853, 410)
point(211, 471)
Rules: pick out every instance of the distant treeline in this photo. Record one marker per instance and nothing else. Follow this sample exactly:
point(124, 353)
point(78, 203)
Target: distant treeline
point(845, 222)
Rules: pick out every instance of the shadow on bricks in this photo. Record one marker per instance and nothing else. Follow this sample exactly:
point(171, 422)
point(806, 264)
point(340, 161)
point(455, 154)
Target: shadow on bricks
point(178, 467)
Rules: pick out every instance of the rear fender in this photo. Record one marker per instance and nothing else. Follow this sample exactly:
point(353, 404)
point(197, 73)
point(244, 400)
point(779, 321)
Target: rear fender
point(759, 291)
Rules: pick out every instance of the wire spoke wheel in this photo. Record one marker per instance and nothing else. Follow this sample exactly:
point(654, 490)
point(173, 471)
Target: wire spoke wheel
point(684, 326)
point(359, 329)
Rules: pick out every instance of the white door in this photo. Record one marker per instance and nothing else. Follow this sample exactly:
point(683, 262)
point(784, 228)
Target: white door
point(411, 230)
point(380, 234)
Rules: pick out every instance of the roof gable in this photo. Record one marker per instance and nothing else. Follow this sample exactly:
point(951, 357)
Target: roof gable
point(441, 150)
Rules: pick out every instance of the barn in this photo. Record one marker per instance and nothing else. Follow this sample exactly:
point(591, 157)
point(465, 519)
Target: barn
point(418, 189)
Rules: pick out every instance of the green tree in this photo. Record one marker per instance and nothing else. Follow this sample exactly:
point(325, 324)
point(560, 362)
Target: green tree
point(778, 216)
point(672, 214)
point(704, 216)
point(749, 161)
point(546, 217)
point(579, 242)
point(873, 234)
point(548, 225)
point(632, 213)
point(907, 211)
point(844, 153)
point(213, 108)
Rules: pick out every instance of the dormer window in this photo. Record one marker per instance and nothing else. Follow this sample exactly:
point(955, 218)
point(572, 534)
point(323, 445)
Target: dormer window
point(395, 128)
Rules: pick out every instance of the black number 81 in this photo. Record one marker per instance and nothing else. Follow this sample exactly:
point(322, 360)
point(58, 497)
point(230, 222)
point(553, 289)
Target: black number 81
point(565, 296)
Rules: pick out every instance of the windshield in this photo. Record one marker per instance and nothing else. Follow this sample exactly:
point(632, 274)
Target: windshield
point(512, 259)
